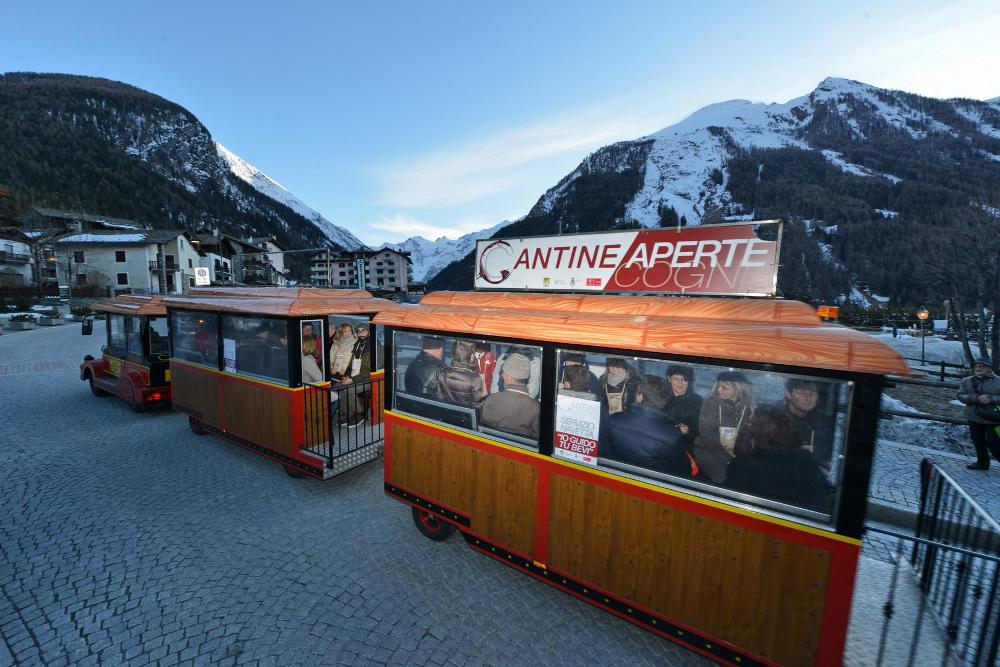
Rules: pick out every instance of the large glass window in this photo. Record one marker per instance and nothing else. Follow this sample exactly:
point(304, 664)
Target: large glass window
point(196, 337)
point(762, 437)
point(255, 346)
point(117, 335)
point(134, 325)
point(159, 336)
point(473, 384)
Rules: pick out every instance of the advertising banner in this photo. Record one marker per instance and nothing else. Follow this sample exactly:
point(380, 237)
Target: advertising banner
point(739, 259)
point(578, 421)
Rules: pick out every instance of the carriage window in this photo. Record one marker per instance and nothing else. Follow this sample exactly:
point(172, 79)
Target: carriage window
point(159, 336)
point(255, 346)
point(473, 384)
point(117, 335)
point(766, 438)
point(196, 337)
point(134, 325)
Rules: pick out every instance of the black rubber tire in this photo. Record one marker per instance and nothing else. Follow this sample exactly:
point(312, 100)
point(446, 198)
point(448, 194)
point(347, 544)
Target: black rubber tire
point(196, 426)
point(292, 471)
point(138, 407)
point(431, 525)
point(94, 389)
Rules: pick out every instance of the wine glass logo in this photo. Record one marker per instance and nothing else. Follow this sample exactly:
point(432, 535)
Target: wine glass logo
point(494, 249)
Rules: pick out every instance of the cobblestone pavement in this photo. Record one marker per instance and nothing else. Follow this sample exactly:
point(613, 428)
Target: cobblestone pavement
point(126, 539)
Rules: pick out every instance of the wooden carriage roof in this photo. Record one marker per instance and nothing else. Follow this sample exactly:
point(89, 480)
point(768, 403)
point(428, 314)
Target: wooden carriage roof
point(131, 304)
point(282, 306)
point(283, 292)
point(765, 331)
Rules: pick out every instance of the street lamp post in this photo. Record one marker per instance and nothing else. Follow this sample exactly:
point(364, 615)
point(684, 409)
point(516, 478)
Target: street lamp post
point(922, 314)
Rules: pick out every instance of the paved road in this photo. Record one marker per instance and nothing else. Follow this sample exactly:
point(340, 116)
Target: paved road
point(126, 539)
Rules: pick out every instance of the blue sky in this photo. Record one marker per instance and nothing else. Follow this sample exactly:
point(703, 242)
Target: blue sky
point(439, 118)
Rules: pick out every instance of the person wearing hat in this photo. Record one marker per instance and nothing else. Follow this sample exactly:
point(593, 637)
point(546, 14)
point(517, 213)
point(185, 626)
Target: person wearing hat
point(421, 378)
point(353, 410)
point(683, 405)
point(461, 383)
point(982, 388)
point(618, 386)
point(513, 410)
point(814, 426)
point(723, 425)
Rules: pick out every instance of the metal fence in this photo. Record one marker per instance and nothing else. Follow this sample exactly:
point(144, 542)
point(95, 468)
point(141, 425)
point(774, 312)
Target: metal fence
point(941, 601)
point(342, 420)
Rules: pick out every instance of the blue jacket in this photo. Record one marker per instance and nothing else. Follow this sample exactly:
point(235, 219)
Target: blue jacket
point(645, 436)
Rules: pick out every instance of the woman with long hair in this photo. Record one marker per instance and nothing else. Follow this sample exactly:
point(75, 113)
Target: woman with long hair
point(724, 424)
point(343, 348)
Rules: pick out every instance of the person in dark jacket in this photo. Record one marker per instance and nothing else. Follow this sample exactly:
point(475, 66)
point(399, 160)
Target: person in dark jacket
point(981, 388)
point(814, 426)
point(513, 410)
point(354, 393)
point(683, 405)
point(576, 359)
point(618, 386)
point(461, 384)
point(778, 467)
point(645, 436)
point(421, 378)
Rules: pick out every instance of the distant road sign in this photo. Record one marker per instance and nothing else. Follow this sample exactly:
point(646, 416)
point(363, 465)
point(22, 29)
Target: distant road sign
point(730, 259)
point(201, 276)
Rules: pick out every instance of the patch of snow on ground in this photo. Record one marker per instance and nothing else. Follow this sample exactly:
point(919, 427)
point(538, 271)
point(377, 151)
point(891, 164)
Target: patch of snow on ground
point(881, 299)
point(886, 213)
point(974, 116)
point(992, 210)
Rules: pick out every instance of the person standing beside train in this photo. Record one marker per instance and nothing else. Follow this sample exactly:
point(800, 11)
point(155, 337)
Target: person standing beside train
point(980, 392)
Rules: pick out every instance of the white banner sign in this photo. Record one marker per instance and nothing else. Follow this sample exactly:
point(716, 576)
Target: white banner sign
point(201, 276)
point(732, 259)
point(578, 421)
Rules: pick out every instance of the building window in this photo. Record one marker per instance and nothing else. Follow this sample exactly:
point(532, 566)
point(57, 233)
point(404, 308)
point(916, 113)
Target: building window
point(190, 263)
point(386, 255)
point(343, 273)
point(79, 257)
point(169, 259)
point(120, 256)
point(122, 278)
point(190, 280)
point(343, 282)
point(378, 263)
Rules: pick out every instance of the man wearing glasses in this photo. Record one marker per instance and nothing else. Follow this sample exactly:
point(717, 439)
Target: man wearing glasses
point(814, 426)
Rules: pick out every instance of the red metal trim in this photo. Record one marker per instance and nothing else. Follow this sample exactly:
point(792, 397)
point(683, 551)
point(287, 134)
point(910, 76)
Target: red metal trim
point(837, 610)
point(296, 422)
point(542, 515)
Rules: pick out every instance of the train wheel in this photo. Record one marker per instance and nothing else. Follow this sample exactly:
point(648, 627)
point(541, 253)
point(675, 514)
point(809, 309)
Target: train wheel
point(431, 526)
point(196, 426)
point(94, 389)
point(291, 471)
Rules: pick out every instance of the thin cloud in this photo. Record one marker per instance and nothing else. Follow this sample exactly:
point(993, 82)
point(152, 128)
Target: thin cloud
point(490, 165)
point(401, 226)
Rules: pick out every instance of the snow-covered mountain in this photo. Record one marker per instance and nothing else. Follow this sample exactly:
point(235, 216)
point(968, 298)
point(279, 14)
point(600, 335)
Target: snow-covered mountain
point(870, 167)
point(269, 187)
point(429, 257)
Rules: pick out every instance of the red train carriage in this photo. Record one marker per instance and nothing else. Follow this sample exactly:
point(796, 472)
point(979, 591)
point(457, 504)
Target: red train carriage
point(259, 367)
point(698, 467)
point(134, 363)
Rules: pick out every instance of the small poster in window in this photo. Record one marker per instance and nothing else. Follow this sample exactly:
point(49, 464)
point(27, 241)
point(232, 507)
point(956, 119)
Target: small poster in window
point(229, 354)
point(577, 424)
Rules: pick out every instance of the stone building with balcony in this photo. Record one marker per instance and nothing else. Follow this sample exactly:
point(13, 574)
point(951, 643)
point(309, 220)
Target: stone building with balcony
point(17, 265)
point(382, 270)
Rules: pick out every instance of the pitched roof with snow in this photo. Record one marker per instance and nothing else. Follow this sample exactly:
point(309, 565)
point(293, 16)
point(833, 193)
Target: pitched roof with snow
point(139, 237)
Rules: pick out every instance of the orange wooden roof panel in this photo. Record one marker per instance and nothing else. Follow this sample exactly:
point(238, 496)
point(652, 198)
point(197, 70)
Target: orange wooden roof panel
point(741, 310)
point(817, 345)
point(131, 304)
point(283, 292)
point(276, 306)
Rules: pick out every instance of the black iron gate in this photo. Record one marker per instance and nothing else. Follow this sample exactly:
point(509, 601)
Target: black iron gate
point(343, 423)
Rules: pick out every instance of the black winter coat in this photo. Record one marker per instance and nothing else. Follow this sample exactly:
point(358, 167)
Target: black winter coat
point(645, 436)
point(685, 409)
point(421, 377)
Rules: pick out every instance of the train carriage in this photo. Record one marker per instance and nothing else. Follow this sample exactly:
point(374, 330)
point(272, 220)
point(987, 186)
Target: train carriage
point(134, 363)
point(253, 367)
point(732, 530)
